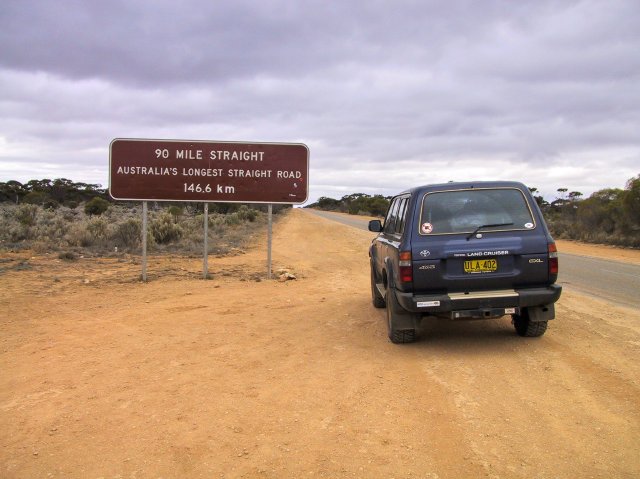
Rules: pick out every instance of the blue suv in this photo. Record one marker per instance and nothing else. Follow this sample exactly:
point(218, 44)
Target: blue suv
point(476, 250)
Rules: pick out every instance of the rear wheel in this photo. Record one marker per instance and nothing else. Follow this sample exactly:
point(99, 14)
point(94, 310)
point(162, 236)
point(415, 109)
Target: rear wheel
point(400, 324)
point(376, 297)
point(527, 328)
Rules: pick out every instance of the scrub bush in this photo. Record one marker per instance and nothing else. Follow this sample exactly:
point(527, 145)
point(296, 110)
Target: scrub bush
point(79, 236)
point(246, 214)
point(118, 229)
point(176, 212)
point(98, 228)
point(96, 206)
point(164, 230)
point(27, 214)
point(128, 234)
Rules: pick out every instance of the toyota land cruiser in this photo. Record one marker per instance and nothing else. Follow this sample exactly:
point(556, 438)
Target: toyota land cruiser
point(476, 250)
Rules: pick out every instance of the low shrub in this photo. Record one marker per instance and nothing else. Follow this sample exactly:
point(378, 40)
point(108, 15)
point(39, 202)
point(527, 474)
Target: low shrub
point(98, 228)
point(128, 234)
point(120, 226)
point(176, 212)
point(79, 235)
point(27, 214)
point(96, 206)
point(68, 255)
point(165, 230)
point(245, 213)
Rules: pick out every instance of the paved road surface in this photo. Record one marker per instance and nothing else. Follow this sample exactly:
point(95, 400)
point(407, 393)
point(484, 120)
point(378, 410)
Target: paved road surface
point(610, 280)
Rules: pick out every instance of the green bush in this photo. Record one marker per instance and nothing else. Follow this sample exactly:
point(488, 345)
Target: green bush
point(79, 235)
point(176, 212)
point(217, 223)
point(27, 214)
point(98, 228)
point(50, 225)
point(232, 219)
point(96, 206)
point(128, 234)
point(36, 198)
point(164, 230)
point(245, 213)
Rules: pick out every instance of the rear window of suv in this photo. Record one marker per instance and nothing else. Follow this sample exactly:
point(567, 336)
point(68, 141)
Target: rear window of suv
point(462, 211)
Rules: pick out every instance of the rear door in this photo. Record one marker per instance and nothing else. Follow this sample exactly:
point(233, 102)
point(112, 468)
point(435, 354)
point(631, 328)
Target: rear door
point(388, 243)
point(478, 239)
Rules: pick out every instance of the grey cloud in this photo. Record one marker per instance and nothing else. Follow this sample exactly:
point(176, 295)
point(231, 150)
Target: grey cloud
point(160, 42)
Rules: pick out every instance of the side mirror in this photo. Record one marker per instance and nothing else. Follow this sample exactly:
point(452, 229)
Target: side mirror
point(375, 226)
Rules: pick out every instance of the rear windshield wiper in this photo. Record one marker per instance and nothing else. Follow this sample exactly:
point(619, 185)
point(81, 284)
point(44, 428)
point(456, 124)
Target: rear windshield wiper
point(486, 226)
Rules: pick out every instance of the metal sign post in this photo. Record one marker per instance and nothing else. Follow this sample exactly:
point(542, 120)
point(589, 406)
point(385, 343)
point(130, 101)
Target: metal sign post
point(144, 241)
point(269, 235)
point(205, 266)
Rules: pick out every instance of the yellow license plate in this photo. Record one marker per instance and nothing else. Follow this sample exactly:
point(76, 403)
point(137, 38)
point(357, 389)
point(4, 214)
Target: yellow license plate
point(481, 266)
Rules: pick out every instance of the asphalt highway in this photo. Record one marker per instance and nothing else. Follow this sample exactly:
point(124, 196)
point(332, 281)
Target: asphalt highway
point(612, 281)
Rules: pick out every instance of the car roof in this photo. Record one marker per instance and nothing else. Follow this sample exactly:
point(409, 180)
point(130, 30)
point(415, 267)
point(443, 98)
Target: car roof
point(464, 185)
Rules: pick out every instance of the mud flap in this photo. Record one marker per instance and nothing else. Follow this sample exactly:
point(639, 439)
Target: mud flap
point(402, 319)
point(405, 320)
point(541, 313)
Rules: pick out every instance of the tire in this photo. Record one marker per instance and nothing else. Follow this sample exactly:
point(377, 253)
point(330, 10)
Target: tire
point(398, 321)
point(527, 328)
point(376, 298)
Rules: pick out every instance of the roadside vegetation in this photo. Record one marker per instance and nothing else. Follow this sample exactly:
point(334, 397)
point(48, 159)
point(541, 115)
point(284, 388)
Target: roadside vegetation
point(354, 204)
point(609, 216)
point(79, 218)
point(73, 219)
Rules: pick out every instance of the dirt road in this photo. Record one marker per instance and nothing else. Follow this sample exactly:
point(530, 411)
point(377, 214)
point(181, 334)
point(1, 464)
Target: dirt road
point(102, 376)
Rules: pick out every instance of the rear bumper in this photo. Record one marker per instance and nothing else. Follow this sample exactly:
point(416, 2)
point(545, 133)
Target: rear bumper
point(481, 303)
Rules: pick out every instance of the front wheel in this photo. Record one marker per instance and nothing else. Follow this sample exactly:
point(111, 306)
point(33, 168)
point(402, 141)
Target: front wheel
point(401, 325)
point(527, 328)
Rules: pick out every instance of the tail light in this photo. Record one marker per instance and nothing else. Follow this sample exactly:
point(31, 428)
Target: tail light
point(553, 260)
point(406, 269)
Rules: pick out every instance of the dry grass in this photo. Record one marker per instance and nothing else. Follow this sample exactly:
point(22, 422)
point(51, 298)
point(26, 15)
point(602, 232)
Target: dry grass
point(69, 231)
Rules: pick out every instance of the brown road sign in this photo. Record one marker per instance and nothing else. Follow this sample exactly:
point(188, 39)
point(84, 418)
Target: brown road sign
point(202, 171)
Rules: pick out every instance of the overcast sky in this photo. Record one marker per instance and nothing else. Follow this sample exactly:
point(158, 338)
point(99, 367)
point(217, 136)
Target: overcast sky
point(386, 94)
